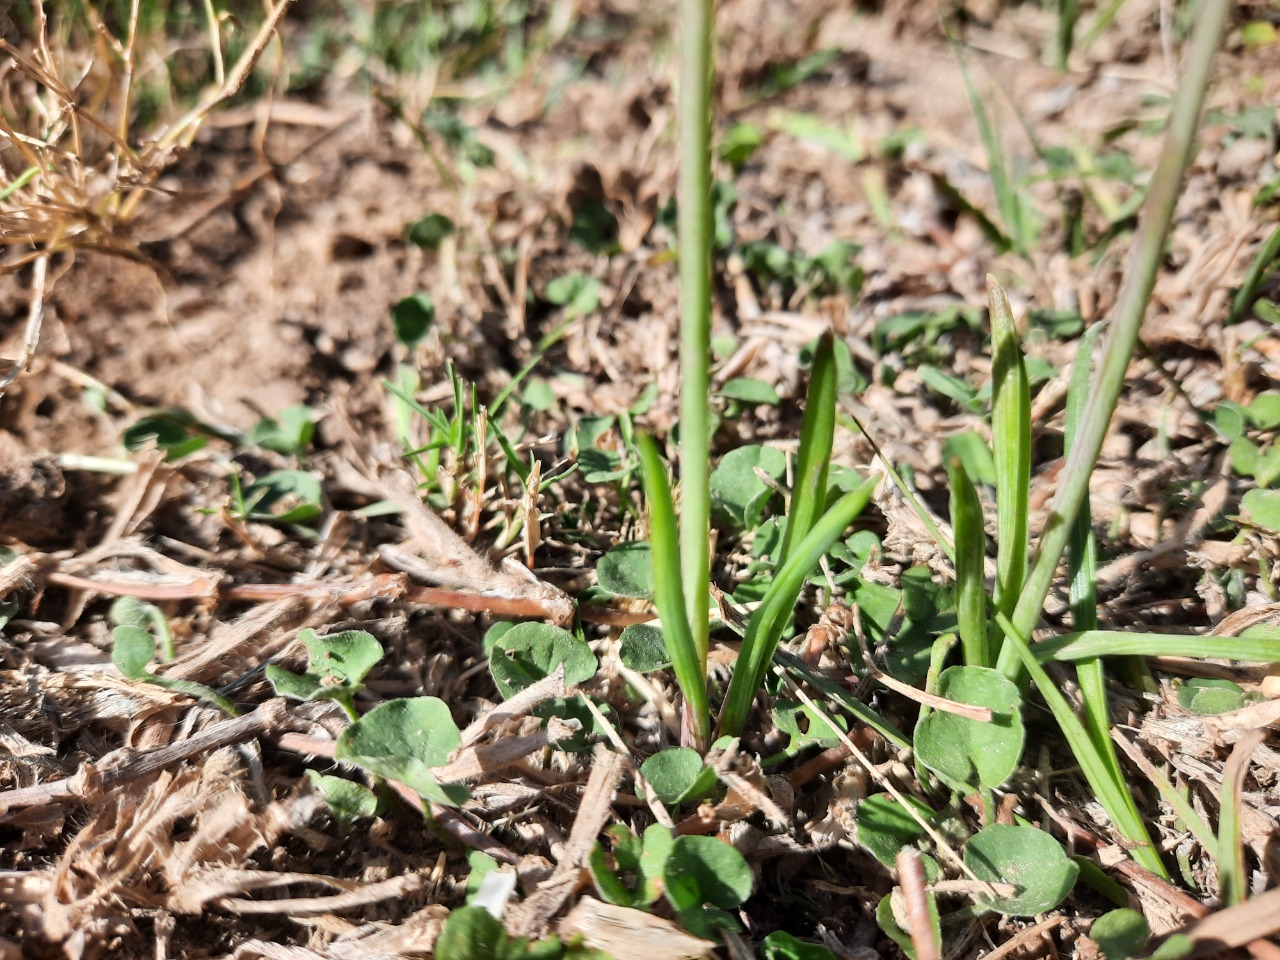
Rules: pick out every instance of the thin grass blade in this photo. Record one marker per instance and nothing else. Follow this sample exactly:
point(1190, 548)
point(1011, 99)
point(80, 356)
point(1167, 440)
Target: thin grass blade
point(1011, 446)
point(1233, 877)
point(817, 434)
point(1112, 793)
point(1258, 645)
point(764, 630)
point(694, 226)
point(971, 548)
point(687, 660)
point(1082, 565)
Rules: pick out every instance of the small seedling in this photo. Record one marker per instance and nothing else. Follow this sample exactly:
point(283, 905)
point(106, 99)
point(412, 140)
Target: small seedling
point(783, 946)
point(337, 664)
point(134, 649)
point(403, 740)
point(287, 497)
point(290, 432)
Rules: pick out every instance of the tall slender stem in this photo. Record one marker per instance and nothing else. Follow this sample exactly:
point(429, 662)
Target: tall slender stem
point(694, 223)
point(1131, 304)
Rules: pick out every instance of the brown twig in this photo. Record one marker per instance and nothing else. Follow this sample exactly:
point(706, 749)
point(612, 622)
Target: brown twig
point(122, 766)
point(919, 924)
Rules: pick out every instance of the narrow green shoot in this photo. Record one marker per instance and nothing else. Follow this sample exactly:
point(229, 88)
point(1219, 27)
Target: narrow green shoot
point(1011, 446)
point(695, 227)
point(971, 549)
point(1131, 302)
point(1257, 272)
point(1082, 563)
point(764, 630)
point(688, 655)
point(1113, 794)
point(817, 434)
point(1257, 645)
point(1233, 877)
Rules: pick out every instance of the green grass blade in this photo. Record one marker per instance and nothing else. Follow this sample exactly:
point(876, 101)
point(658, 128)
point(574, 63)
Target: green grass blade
point(1257, 645)
point(1257, 272)
point(1082, 565)
point(971, 549)
point(1131, 302)
point(1233, 877)
point(1112, 793)
point(1011, 446)
point(764, 630)
point(688, 660)
point(817, 434)
point(694, 225)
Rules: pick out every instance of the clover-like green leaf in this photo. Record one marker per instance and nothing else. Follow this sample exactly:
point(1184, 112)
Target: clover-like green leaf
point(1029, 859)
point(783, 946)
point(1262, 508)
point(642, 649)
point(885, 826)
point(288, 433)
point(133, 649)
point(348, 801)
point(967, 753)
point(737, 491)
point(626, 571)
point(1210, 695)
point(1120, 934)
point(403, 740)
point(750, 390)
point(530, 652)
point(678, 775)
point(430, 231)
point(804, 726)
point(703, 870)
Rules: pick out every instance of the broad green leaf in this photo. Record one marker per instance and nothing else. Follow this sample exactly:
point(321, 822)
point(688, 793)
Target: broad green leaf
point(575, 708)
point(132, 650)
point(337, 664)
point(703, 870)
point(472, 933)
point(678, 775)
point(130, 612)
point(969, 753)
point(783, 946)
point(740, 143)
point(750, 390)
point(885, 826)
point(1262, 508)
point(1029, 859)
point(530, 652)
point(1264, 411)
point(285, 496)
point(803, 726)
point(176, 432)
point(1120, 934)
point(429, 232)
point(736, 491)
point(290, 432)
point(1208, 696)
point(641, 648)
point(348, 801)
point(576, 292)
point(412, 317)
point(402, 740)
point(626, 570)
point(894, 927)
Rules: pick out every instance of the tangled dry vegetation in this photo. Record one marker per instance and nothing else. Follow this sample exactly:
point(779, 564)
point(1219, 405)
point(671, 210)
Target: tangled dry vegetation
point(208, 267)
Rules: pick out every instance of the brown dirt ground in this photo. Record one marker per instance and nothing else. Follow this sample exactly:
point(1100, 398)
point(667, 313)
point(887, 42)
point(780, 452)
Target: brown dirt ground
point(272, 255)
